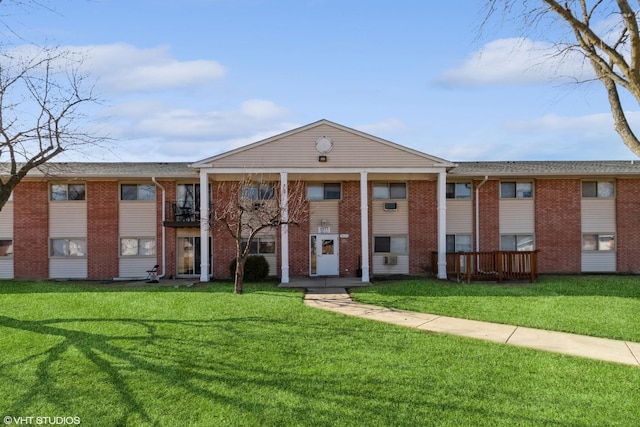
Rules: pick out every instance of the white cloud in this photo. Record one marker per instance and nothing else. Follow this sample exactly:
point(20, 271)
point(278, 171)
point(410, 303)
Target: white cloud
point(150, 118)
point(517, 61)
point(152, 130)
point(126, 68)
point(550, 137)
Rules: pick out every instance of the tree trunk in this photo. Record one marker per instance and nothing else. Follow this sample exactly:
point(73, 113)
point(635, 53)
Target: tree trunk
point(239, 277)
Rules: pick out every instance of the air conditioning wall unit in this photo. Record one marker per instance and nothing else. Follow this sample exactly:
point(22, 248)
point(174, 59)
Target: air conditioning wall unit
point(390, 260)
point(390, 206)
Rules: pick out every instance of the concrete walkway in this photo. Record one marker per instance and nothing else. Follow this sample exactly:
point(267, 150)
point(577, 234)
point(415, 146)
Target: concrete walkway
point(338, 300)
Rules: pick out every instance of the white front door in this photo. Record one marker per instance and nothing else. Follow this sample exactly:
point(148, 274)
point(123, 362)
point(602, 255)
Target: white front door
point(324, 255)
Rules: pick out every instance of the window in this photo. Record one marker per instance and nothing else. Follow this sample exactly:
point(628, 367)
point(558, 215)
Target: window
point(329, 191)
point(458, 242)
point(604, 189)
point(390, 244)
point(259, 191)
point(516, 190)
point(133, 246)
point(68, 247)
point(261, 245)
point(390, 190)
point(137, 192)
point(188, 196)
point(598, 242)
point(6, 248)
point(67, 192)
point(516, 242)
point(458, 190)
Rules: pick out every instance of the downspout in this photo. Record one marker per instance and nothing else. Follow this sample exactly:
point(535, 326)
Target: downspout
point(164, 217)
point(486, 177)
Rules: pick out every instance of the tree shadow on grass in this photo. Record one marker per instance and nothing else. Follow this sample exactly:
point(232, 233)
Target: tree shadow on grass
point(98, 349)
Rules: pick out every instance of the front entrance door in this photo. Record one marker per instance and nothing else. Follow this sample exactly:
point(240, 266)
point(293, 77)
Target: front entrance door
point(189, 256)
point(324, 255)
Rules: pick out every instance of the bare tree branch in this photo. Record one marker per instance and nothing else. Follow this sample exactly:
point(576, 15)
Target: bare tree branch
point(252, 206)
point(613, 51)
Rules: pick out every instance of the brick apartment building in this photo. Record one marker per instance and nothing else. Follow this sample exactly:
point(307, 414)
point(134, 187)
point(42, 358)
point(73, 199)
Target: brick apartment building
point(375, 208)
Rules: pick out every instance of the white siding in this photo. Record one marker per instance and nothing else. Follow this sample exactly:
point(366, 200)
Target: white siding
point(68, 268)
point(327, 210)
point(459, 216)
point(6, 268)
point(298, 149)
point(136, 267)
point(68, 219)
point(599, 261)
point(272, 260)
point(516, 216)
point(378, 266)
point(6, 221)
point(598, 215)
point(137, 219)
point(390, 222)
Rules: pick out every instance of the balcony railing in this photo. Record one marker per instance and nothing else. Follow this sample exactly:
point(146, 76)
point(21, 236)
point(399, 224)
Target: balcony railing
point(182, 216)
point(490, 266)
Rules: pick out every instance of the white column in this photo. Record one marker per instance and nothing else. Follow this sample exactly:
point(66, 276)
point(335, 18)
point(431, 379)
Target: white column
point(442, 225)
point(204, 226)
point(284, 228)
point(364, 225)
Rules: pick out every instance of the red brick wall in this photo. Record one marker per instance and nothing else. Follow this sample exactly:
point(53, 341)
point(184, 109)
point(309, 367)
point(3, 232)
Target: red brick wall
point(423, 224)
point(349, 214)
point(170, 232)
point(102, 229)
point(31, 230)
point(224, 245)
point(298, 240)
point(558, 225)
point(628, 224)
point(489, 207)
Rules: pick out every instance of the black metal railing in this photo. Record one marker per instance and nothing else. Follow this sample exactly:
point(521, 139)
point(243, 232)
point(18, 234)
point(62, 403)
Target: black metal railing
point(177, 215)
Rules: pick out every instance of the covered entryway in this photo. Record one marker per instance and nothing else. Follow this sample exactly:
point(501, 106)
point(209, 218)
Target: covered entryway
point(324, 255)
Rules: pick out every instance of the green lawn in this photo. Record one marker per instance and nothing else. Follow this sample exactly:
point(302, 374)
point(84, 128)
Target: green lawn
point(203, 356)
point(602, 306)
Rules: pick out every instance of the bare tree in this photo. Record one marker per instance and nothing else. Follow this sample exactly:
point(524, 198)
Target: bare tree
point(41, 92)
point(604, 31)
point(249, 207)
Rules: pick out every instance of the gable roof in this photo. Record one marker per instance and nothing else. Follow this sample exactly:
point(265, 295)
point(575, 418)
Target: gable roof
point(296, 148)
point(533, 169)
point(131, 170)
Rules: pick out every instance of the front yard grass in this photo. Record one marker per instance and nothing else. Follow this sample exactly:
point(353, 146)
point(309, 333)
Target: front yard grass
point(202, 356)
point(596, 305)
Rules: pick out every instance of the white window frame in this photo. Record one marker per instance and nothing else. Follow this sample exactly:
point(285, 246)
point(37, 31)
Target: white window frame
point(8, 253)
point(600, 246)
point(323, 186)
point(599, 194)
point(382, 190)
point(391, 244)
point(71, 242)
point(519, 193)
point(456, 194)
point(138, 192)
point(455, 242)
point(66, 192)
point(257, 242)
point(517, 238)
point(138, 246)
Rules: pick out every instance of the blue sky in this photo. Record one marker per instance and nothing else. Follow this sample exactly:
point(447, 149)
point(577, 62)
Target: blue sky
point(185, 80)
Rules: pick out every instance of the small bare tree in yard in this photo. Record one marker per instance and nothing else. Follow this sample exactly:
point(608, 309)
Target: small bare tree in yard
point(251, 207)
point(41, 92)
point(606, 32)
